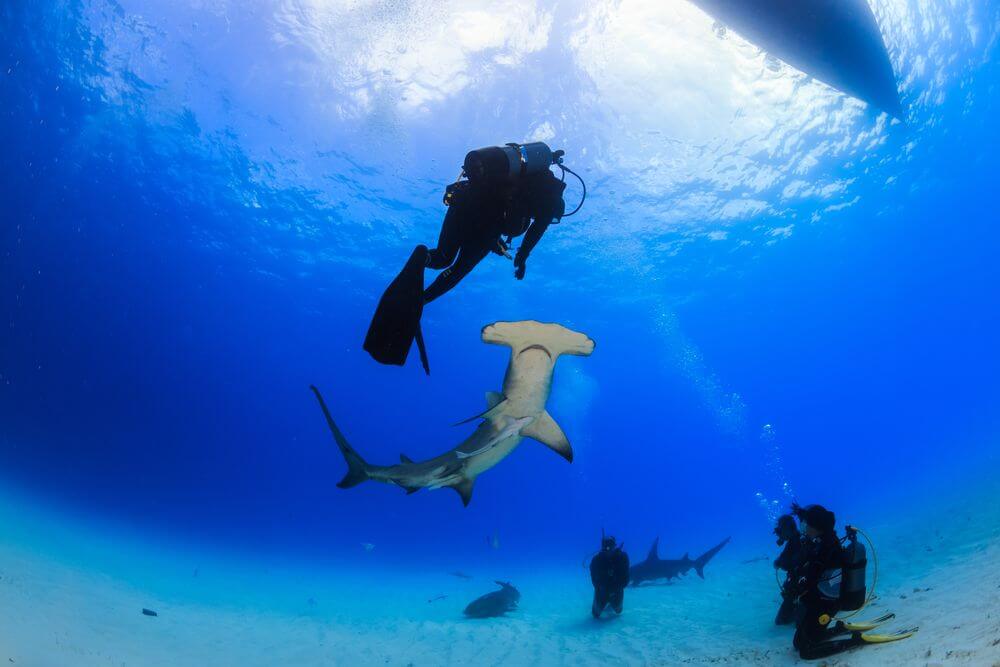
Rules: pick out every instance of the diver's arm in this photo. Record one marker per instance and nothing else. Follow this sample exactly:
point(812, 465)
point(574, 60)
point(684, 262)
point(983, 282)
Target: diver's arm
point(531, 239)
point(623, 567)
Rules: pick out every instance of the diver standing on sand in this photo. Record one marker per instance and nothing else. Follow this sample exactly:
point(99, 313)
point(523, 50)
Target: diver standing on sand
point(609, 574)
point(503, 192)
point(789, 559)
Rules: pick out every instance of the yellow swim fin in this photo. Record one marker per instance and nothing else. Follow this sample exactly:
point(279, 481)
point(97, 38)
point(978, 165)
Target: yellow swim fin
point(894, 637)
point(864, 626)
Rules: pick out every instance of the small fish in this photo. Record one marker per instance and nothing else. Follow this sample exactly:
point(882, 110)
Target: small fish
point(436, 598)
point(754, 560)
point(368, 546)
point(148, 612)
point(493, 542)
point(460, 575)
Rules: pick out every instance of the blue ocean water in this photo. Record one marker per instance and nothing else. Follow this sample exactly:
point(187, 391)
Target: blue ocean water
point(793, 296)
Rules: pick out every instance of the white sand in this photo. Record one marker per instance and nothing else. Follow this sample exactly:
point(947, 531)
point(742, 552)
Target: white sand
point(54, 613)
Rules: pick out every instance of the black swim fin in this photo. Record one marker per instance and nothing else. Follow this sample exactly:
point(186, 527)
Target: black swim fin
point(396, 322)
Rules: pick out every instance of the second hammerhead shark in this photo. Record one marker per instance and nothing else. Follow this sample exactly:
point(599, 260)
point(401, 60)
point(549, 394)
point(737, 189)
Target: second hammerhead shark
point(516, 413)
point(655, 567)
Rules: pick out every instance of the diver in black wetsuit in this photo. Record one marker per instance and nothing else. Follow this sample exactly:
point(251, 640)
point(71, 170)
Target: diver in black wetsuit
point(789, 536)
point(830, 579)
point(508, 191)
point(609, 574)
point(488, 206)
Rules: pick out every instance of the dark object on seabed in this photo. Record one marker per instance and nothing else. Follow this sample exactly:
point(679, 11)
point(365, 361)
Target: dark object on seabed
point(835, 41)
point(496, 603)
point(396, 323)
point(148, 612)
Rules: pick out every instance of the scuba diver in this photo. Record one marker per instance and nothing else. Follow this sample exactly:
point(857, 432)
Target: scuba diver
point(502, 193)
point(789, 537)
point(609, 574)
point(828, 580)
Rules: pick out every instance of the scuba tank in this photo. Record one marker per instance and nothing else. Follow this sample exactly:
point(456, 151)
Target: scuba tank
point(506, 165)
point(508, 162)
point(852, 583)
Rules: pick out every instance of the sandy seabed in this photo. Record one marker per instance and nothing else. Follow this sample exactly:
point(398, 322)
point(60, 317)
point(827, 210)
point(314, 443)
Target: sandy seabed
point(943, 576)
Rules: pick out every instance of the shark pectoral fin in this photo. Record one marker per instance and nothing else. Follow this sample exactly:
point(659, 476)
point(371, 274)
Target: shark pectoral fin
point(403, 458)
point(464, 489)
point(491, 412)
point(545, 430)
point(411, 489)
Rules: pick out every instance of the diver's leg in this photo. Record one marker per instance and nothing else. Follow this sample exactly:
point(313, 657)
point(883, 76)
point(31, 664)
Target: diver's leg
point(468, 257)
point(786, 612)
point(814, 651)
point(448, 241)
point(617, 600)
point(600, 602)
point(814, 629)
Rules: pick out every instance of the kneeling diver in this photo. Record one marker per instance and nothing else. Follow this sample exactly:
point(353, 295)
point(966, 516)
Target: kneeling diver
point(791, 539)
point(828, 580)
point(506, 192)
point(609, 574)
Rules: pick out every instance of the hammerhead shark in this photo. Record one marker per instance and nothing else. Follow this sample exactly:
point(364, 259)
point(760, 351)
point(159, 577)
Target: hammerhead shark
point(512, 415)
point(656, 568)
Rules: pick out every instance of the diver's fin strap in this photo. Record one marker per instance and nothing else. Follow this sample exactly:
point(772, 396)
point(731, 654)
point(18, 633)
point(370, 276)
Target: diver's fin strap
point(493, 410)
point(894, 637)
point(545, 430)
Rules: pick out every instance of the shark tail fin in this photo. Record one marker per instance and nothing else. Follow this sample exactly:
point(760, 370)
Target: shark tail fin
point(357, 469)
point(701, 561)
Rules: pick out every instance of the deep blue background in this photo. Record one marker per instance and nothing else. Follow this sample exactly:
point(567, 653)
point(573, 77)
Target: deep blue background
point(156, 346)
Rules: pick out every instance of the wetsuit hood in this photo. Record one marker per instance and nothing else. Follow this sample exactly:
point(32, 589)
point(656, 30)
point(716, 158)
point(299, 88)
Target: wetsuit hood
point(816, 516)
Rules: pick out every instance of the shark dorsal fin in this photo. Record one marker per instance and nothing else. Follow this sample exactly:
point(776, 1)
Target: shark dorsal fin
point(493, 398)
point(545, 430)
point(492, 411)
point(403, 458)
point(464, 490)
point(653, 555)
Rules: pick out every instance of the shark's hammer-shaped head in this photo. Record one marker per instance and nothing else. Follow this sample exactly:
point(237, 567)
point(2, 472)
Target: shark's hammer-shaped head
point(552, 339)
